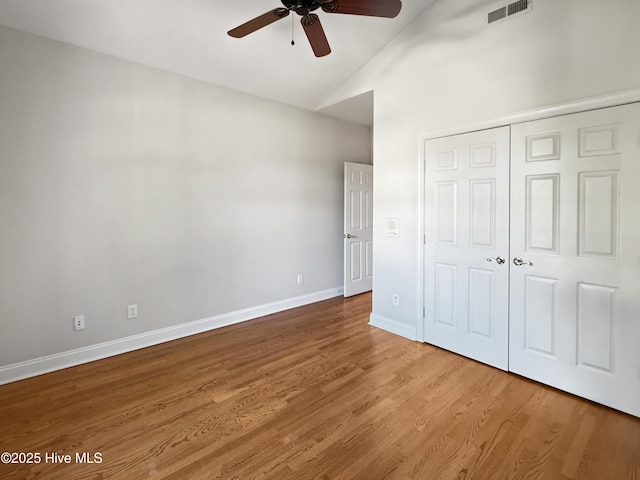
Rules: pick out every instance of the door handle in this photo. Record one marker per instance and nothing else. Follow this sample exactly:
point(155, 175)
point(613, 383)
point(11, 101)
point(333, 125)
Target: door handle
point(518, 261)
point(498, 260)
point(348, 235)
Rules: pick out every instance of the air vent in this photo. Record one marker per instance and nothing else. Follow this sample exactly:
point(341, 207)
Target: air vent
point(518, 7)
point(496, 15)
point(513, 9)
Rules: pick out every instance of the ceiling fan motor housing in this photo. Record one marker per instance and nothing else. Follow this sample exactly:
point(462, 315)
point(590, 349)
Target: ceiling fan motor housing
point(301, 7)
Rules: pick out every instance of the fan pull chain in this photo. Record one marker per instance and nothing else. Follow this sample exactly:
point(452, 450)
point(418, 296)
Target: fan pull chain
point(292, 40)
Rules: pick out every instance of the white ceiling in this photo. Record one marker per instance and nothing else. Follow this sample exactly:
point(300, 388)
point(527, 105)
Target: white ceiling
point(189, 37)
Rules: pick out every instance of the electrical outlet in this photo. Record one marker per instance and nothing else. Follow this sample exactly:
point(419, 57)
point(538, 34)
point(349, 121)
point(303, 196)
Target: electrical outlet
point(132, 311)
point(300, 279)
point(395, 299)
point(78, 322)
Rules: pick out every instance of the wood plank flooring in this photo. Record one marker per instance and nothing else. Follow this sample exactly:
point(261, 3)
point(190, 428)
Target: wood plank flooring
point(311, 393)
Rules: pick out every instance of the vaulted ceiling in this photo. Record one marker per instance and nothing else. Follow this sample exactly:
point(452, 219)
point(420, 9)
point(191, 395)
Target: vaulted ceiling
point(189, 37)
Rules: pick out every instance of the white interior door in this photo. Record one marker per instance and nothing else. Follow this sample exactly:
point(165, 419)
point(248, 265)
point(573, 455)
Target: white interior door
point(575, 298)
point(358, 228)
point(467, 244)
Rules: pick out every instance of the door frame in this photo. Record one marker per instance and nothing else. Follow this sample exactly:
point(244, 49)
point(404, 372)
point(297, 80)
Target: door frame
point(592, 103)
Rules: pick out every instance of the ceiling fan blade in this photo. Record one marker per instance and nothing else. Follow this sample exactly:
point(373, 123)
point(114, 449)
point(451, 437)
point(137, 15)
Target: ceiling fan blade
point(259, 22)
point(315, 34)
point(371, 8)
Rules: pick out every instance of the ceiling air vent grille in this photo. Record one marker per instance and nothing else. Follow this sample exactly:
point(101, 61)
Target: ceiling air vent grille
point(496, 15)
point(517, 7)
point(513, 9)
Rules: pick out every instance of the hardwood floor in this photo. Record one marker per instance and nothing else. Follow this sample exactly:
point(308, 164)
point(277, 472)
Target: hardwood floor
point(310, 393)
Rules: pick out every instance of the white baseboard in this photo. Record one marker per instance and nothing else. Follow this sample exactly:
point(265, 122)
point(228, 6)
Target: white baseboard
point(58, 361)
point(393, 326)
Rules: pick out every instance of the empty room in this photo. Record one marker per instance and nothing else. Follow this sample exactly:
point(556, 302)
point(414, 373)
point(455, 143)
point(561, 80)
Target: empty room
point(319, 239)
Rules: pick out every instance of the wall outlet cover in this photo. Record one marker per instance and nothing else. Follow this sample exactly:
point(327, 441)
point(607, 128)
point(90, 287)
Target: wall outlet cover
point(78, 322)
point(395, 299)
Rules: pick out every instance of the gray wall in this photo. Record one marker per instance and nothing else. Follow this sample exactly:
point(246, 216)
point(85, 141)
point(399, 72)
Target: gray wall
point(123, 184)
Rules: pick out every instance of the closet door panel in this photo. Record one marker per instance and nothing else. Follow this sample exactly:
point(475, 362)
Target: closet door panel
point(575, 265)
point(467, 223)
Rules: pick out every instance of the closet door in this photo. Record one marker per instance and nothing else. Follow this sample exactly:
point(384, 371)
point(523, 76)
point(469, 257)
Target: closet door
point(467, 244)
point(575, 265)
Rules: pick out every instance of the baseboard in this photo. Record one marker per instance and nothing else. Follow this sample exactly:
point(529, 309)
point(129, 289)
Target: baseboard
point(393, 326)
point(58, 361)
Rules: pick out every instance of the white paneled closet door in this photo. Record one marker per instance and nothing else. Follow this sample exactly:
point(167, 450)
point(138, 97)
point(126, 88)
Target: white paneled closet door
point(575, 235)
point(467, 244)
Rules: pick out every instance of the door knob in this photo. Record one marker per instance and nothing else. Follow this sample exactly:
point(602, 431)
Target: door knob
point(348, 235)
point(518, 261)
point(498, 260)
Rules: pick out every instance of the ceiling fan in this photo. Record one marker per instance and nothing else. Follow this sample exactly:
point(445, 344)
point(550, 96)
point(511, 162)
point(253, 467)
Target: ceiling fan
point(311, 22)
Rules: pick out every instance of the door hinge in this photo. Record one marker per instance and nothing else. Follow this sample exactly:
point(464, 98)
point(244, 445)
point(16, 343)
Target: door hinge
point(424, 238)
point(424, 313)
